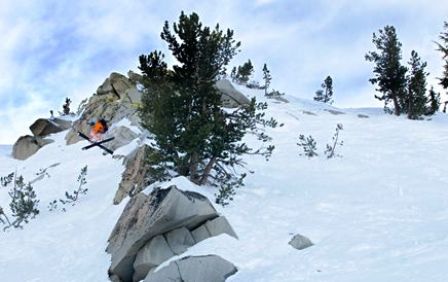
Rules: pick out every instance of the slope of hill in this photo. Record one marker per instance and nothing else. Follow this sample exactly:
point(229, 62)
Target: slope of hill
point(378, 213)
point(5, 150)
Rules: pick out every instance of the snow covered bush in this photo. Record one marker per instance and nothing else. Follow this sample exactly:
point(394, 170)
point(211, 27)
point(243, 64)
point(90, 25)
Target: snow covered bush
point(24, 203)
point(6, 180)
point(330, 151)
point(308, 145)
point(275, 93)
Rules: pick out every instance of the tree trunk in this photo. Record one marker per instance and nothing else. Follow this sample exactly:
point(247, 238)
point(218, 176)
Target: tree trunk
point(396, 106)
point(193, 168)
point(207, 170)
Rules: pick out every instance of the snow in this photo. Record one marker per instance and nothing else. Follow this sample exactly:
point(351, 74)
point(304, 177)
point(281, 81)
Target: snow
point(5, 150)
point(378, 213)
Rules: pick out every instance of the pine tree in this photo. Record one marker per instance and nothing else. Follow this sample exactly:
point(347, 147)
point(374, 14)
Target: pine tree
point(267, 79)
point(389, 74)
point(66, 107)
point(24, 203)
point(434, 102)
point(194, 136)
point(308, 145)
point(233, 74)
point(443, 47)
point(326, 94)
point(244, 72)
point(416, 95)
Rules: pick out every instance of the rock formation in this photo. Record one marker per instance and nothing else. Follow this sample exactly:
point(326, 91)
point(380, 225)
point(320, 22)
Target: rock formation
point(155, 227)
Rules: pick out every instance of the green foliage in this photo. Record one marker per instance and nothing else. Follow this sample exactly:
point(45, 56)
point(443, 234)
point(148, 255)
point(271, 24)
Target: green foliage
point(330, 150)
point(434, 102)
point(6, 180)
point(416, 99)
point(66, 107)
point(24, 205)
point(326, 94)
point(193, 135)
point(443, 48)
point(243, 73)
point(274, 93)
point(308, 145)
point(389, 74)
point(267, 79)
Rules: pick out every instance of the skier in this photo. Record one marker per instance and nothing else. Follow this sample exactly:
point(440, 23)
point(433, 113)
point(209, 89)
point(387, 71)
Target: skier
point(97, 129)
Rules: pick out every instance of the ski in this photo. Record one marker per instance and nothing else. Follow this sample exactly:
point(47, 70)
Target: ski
point(95, 143)
point(98, 143)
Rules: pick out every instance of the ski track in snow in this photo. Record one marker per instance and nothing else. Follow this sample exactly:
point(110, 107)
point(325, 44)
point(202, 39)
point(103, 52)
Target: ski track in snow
point(379, 213)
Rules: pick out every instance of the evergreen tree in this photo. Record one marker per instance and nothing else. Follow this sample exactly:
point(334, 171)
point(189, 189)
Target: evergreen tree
point(308, 145)
point(66, 107)
point(24, 203)
point(389, 74)
point(267, 79)
point(194, 136)
point(233, 74)
point(443, 47)
point(244, 72)
point(416, 96)
point(434, 102)
point(326, 94)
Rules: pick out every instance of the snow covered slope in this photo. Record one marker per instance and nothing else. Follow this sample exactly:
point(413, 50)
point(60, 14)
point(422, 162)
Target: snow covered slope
point(379, 213)
point(5, 150)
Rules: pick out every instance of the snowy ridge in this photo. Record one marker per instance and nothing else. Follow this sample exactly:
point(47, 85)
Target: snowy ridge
point(379, 213)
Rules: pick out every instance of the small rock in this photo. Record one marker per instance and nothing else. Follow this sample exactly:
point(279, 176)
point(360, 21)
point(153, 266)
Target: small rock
point(300, 242)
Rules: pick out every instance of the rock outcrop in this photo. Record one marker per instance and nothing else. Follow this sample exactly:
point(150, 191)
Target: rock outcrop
point(44, 127)
point(122, 136)
point(28, 145)
point(300, 242)
point(133, 178)
point(155, 227)
point(230, 97)
point(113, 101)
point(209, 268)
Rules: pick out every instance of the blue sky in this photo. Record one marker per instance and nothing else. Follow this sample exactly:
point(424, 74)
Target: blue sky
point(54, 49)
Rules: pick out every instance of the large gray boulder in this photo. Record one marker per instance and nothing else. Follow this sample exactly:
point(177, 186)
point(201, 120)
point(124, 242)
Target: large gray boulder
point(145, 217)
point(133, 179)
point(179, 240)
point(44, 127)
point(27, 146)
point(230, 97)
point(209, 268)
point(150, 256)
point(300, 242)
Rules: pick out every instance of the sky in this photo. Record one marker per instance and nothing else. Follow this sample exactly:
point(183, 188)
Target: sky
point(53, 49)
